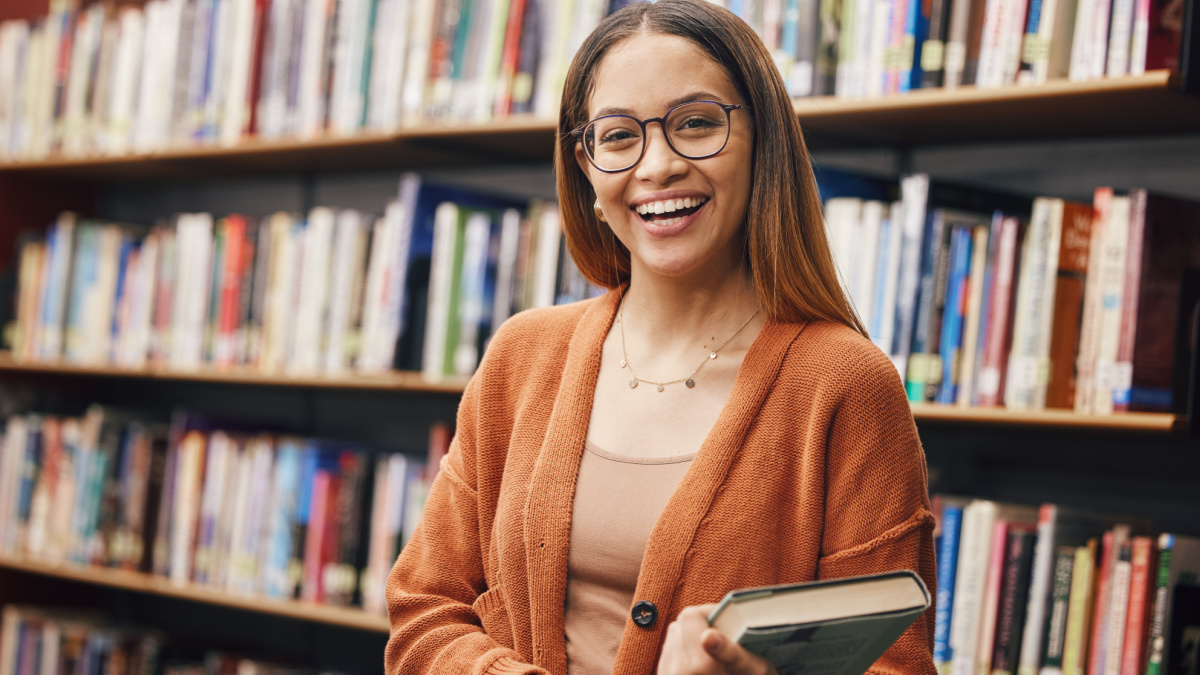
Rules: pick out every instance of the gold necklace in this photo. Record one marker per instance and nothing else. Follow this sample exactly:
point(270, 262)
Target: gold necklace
point(687, 381)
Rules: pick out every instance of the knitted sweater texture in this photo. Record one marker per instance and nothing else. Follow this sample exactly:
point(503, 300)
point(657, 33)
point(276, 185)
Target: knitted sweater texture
point(813, 470)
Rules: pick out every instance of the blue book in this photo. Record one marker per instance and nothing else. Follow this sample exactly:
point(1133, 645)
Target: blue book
point(947, 564)
point(916, 29)
point(299, 525)
point(931, 251)
point(85, 270)
point(952, 322)
point(280, 519)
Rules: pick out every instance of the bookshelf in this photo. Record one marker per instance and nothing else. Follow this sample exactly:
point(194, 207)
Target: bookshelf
point(137, 582)
point(1143, 463)
point(1059, 109)
point(409, 382)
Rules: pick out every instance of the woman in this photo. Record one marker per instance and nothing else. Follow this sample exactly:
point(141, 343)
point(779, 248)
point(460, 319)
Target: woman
point(603, 489)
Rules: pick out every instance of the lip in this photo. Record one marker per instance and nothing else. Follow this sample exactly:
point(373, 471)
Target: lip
point(664, 231)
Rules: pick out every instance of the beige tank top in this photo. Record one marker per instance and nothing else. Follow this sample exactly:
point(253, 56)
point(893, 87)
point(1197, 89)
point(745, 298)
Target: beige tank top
point(617, 501)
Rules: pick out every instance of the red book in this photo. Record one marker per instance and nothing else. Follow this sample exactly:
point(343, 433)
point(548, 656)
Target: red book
point(260, 39)
point(999, 328)
point(314, 542)
point(1113, 540)
point(1073, 254)
point(231, 285)
point(331, 544)
point(508, 58)
point(991, 596)
point(1136, 622)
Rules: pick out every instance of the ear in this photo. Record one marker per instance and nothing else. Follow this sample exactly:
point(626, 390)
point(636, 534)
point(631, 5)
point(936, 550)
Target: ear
point(582, 161)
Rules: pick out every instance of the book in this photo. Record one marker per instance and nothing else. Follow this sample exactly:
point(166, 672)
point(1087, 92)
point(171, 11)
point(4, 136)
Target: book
point(1080, 609)
point(836, 626)
point(1056, 621)
point(1178, 565)
point(1014, 595)
point(950, 526)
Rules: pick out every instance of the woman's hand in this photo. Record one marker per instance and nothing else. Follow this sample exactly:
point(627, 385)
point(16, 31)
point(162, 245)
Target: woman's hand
point(693, 648)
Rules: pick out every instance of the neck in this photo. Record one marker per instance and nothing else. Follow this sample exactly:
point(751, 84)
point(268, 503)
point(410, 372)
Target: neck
point(671, 314)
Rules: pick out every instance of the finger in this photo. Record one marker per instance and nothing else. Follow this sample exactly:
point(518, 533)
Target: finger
point(731, 655)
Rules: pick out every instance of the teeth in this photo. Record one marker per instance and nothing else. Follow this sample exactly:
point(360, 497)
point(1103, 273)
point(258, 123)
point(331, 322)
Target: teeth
point(669, 206)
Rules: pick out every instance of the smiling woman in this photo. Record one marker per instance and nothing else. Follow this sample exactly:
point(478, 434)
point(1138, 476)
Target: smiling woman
point(582, 523)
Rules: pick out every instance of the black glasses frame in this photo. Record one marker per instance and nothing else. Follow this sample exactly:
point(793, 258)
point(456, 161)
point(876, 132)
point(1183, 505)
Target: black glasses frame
point(727, 107)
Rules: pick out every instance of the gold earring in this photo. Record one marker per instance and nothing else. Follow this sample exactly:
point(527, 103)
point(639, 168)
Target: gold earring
point(599, 211)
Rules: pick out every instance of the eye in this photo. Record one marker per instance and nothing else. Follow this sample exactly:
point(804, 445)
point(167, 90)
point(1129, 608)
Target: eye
point(696, 123)
point(617, 136)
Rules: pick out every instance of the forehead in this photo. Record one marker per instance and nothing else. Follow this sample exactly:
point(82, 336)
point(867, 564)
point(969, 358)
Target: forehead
point(648, 71)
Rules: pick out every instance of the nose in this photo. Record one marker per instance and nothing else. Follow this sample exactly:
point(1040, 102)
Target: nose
point(659, 163)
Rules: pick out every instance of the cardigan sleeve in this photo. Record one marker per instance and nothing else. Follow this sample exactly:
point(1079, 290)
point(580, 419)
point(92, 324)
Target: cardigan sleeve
point(877, 515)
point(436, 590)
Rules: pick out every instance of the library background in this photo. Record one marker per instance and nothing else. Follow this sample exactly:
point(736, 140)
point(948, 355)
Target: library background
point(250, 251)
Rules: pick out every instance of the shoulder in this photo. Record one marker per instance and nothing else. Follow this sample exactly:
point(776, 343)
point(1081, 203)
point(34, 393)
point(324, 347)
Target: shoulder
point(536, 334)
point(840, 357)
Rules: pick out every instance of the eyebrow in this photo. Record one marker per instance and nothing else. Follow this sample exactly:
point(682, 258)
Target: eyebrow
point(688, 98)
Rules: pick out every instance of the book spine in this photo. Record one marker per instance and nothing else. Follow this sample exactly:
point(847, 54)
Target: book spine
point(1122, 372)
point(1092, 302)
point(1080, 610)
point(1039, 589)
point(1112, 282)
point(991, 375)
point(955, 310)
point(1021, 381)
point(1118, 608)
point(1132, 658)
point(1056, 624)
point(991, 600)
point(1068, 304)
point(927, 322)
point(1011, 610)
point(951, 526)
point(1158, 617)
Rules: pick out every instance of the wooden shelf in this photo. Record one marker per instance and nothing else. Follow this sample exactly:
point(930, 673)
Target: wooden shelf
point(398, 381)
point(1163, 423)
point(1125, 106)
point(146, 583)
point(414, 382)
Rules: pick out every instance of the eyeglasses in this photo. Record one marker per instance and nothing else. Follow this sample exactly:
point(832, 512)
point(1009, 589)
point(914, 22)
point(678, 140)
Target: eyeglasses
point(695, 130)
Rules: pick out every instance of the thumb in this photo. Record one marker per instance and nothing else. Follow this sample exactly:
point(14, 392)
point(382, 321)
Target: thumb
point(730, 654)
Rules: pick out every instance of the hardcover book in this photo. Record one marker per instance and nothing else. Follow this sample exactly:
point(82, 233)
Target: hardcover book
point(829, 627)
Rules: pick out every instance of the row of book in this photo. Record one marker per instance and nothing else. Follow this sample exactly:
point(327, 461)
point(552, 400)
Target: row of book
point(57, 641)
point(1057, 591)
point(987, 299)
point(54, 641)
point(242, 512)
point(329, 292)
point(103, 80)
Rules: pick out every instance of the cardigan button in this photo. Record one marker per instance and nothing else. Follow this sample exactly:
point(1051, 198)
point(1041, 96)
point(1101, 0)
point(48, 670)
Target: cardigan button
point(644, 613)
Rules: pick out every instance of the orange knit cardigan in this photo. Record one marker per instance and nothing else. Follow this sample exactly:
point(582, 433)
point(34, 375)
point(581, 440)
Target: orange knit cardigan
point(813, 470)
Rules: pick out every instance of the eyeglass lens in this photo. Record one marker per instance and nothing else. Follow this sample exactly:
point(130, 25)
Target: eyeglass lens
point(694, 130)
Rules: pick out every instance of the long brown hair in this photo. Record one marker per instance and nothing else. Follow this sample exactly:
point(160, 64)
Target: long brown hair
point(788, 253)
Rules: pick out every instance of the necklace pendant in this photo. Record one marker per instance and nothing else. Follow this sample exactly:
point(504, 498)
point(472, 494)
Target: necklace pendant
point(633, 383)
point(660, 387)
point(622, 363)
point(690, 383)
point(712, 355)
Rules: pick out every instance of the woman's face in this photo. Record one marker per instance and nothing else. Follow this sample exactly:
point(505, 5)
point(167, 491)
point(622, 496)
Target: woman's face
point(646, 76)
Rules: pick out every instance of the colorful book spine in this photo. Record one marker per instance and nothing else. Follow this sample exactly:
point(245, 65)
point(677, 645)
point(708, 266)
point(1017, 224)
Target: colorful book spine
point(951, 527)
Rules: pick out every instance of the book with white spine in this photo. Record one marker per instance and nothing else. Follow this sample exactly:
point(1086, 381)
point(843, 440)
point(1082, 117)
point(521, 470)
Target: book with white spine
point(310, 113)
point(1039, 260)
point(127, 69)
point(883, 335)
point(471, 291)
point(313, 296)
point(235, 117)
point(346, 266)
point(1120, 38)
point(420, 36)
point(510, 234)
point(866, 264)
point(1112, 288)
